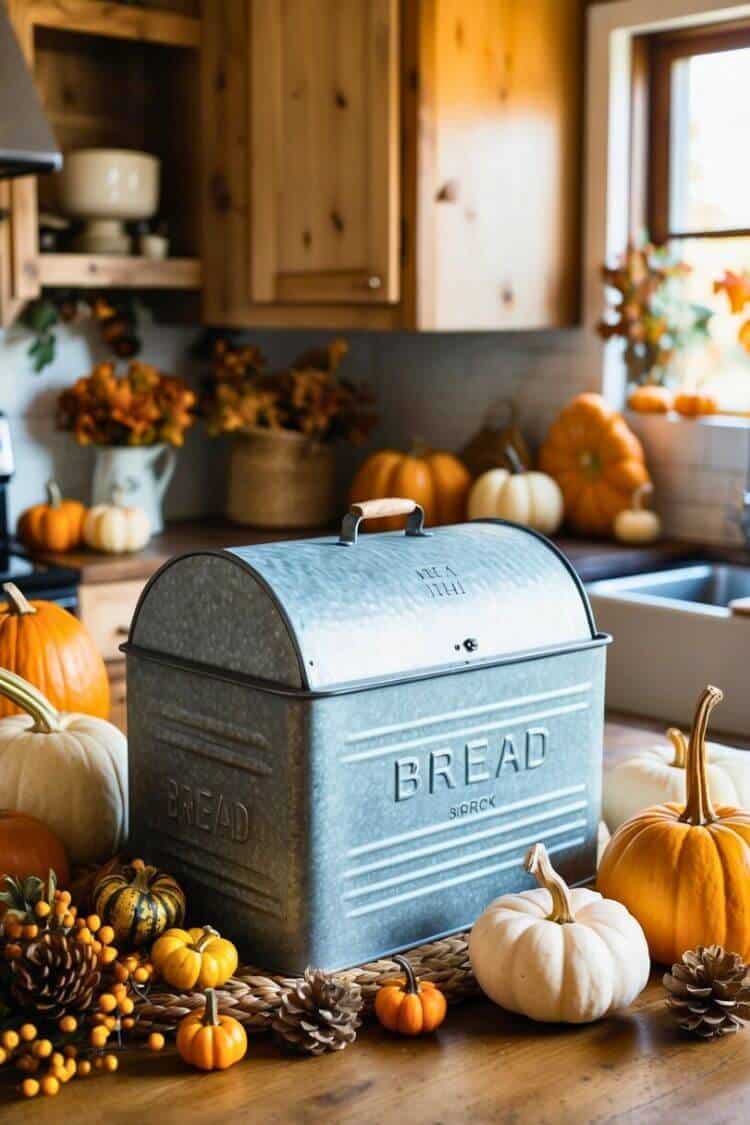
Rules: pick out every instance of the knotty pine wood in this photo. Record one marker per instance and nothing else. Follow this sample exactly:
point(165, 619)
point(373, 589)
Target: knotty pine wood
point(325, 143)
point(486, 223)
point(496, 189)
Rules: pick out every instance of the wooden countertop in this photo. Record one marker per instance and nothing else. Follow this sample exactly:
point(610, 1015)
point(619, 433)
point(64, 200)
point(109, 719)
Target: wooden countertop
point(592, 559)
point(483, 1065)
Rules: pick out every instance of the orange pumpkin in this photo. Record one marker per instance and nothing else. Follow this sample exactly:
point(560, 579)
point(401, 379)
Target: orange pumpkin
point(651, 399)
point(29, 847)
point(209, 1041)
point(50, 647)
point(410, 1007)
point(54, 526)
point(597, 461)
point(683, 871)
point(439, 482)
point(694, 404)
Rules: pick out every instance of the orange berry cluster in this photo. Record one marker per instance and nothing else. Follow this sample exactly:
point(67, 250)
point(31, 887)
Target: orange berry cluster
point(77, 1044)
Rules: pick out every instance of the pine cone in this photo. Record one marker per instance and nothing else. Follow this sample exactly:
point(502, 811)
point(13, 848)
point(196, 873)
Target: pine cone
point(709, 991)
point(55, 974)
point(318, 1013)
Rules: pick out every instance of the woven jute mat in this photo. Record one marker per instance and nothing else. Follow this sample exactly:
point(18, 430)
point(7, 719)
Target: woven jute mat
point(253, 996)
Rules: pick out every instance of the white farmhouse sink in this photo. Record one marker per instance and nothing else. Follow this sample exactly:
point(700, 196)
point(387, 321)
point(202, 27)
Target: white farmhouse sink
point(673, 633)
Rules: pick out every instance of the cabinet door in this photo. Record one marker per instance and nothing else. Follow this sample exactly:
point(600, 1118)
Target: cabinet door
point(324, 198)
point(498, 134)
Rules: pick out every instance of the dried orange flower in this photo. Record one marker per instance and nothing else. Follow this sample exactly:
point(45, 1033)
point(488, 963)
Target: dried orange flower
point(142, 407)
point(310, 398)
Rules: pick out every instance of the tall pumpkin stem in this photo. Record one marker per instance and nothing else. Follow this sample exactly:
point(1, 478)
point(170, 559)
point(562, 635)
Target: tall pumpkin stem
point(54, 495)
point(412, 985)
point(539, 865)
point(211, 1014)
point(679, 745)
point(18, 606)
point(47, 720)
point(698, 807)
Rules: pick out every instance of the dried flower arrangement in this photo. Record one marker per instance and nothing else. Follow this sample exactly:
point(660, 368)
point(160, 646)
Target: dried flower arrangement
point(141, 407)
point(650, 311)
point(311, 397)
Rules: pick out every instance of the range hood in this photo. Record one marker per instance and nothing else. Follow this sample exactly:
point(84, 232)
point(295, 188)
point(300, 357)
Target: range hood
point(26, 141)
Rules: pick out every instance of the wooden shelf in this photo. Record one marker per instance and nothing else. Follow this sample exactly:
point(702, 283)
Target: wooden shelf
point(118, 21)
point(119, 272)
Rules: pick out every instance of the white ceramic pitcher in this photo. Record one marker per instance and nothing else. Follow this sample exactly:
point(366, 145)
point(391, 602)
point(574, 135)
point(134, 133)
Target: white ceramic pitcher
point(142, 472)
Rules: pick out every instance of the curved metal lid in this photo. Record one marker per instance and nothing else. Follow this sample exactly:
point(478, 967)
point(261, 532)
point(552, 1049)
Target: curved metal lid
point(315, 614)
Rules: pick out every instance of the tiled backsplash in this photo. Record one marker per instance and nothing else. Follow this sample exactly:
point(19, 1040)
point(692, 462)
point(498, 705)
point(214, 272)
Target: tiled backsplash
point(434, 386)
point(699, 471)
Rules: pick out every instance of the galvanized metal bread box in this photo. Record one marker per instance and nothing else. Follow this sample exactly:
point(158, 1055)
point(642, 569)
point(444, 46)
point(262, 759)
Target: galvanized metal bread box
point(344, 746)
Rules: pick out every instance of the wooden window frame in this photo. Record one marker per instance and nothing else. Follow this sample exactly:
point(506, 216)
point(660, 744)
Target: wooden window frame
point(656, 54)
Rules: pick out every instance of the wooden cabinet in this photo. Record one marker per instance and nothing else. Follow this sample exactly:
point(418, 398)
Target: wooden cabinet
point(117, 76)
point(389, 164)
point(324, 206)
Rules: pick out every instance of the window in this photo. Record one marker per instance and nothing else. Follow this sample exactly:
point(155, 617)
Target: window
point(696, 193)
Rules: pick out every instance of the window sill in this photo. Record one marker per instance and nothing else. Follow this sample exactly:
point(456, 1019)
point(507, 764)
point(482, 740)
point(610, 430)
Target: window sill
point(712, 421)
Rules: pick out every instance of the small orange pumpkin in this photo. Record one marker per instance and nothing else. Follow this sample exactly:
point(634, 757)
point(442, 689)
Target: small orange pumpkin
point(50, 647)
point(209, 1041)
point(439, 482)
point(195, 958)
point(651, 399)
point(694, 404)
point(411, 1007)
point(682, 871)
point(54, 526)
point(597, 461)
point(29, 847)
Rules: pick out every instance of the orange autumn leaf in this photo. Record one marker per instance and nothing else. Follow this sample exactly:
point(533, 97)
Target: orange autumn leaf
point(737, 288)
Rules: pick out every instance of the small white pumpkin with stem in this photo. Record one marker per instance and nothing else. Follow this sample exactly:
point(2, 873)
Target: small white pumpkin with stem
point(656, 776)
point(116, 528)
point(526, 497)
point(558, 955)
point(68, 770)
point(638, 524)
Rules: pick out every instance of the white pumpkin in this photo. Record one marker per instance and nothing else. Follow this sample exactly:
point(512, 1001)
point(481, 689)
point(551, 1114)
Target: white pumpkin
point(558, 955)
point(70, 771)
point(529, 498)
point(656, 775)
point(638, 524)
point(116, 528)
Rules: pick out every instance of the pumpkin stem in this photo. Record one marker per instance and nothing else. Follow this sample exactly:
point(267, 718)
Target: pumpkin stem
point(209, 933)
point(698, 808)
point(412, 985)
point(211, 1014)
point(679, 744)
point(419, 447)
point(54, 495)
point(30, 699)
point(642, 491)
point(516, 466)
point(18, 606)
point(539, 865)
